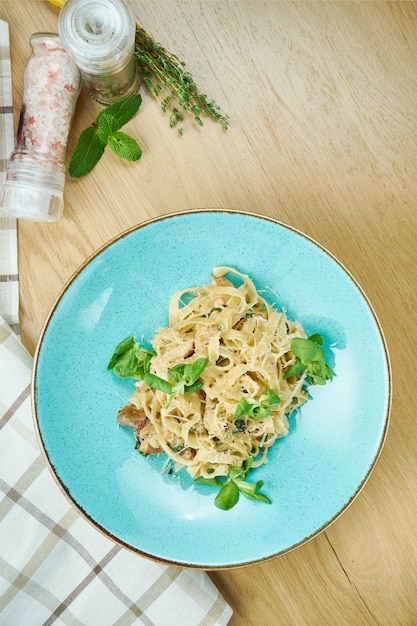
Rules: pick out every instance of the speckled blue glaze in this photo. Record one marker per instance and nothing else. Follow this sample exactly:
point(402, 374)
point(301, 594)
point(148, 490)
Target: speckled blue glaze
point(312, 474)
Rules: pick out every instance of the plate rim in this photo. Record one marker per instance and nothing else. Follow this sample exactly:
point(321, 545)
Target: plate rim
point(64, 489)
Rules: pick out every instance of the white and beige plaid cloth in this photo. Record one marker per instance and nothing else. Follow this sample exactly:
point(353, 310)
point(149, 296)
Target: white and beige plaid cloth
point(56, 568)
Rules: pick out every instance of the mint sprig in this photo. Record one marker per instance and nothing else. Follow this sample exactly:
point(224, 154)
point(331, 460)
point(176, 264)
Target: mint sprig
point(106, 131)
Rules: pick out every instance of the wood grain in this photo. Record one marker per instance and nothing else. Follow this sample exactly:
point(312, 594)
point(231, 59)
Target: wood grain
point(322, 104)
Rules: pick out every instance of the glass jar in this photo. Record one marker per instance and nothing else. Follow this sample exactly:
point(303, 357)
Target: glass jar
point(100, 36)
point(35, 176)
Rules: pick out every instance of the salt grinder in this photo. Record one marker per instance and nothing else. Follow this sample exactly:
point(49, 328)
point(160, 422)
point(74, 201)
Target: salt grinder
point(100, 36)
point(35, 177)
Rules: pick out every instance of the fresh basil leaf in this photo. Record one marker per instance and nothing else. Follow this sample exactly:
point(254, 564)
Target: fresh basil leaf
point(311, 359)
point(247, 464)
point(158, 383)
point(252, 491)
point(125, 345)
point(129, 360)
point(194, 387)
point(196, 370)
point(248, 489)
point(176, 373)
point(329, 372)
point(143, 359)
point(257, 410)
point(319, 372)
point(242, 408)
point(261, 497)
point(212, 482)
point(235, 484)
point(271, 398)
point(317, 338)
point(228, 496)
point(185, 376)
point(239, 473)
point(295, 369)
point(305, 349)
point(125, 365)
point(125, 146)
point(260, 412)
point(179, 388)
point(87, 152)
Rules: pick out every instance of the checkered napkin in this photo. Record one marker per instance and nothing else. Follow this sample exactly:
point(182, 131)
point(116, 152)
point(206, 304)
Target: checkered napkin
point(55, 567)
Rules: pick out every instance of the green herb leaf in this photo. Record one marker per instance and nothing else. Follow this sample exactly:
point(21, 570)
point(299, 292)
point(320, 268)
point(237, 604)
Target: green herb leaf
point(121, 112)
point(212, 482)
point(311, 359)
point(235, 484)
point(196, 370)
point(242, 408)
point(306, 350)
point(129, 360)
point(228, 496)
point(295, 369)
point(106, 125)
point(316, 338)
point(125, 146)
point(185, 376)
point(105, 131)
point(87, 153)
point(158, 383)
point(271, 398)
point(126, 364)
point(176, 373)
point(257, 410)
point(240, 473)
point(125, 345)
point(168, 79)
point(194, 387)
point(143, 358)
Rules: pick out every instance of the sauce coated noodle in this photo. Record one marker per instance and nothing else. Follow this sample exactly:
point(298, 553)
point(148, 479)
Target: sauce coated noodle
point(247, 342)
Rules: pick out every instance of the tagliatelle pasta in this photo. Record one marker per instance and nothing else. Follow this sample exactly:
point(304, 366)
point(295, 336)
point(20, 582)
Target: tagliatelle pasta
point(247, 344)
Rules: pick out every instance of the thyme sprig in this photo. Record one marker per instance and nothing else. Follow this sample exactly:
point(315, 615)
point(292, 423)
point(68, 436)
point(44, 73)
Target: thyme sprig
point(167, 78)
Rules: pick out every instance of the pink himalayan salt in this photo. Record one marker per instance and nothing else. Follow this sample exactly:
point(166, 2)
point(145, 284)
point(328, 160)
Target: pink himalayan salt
point(52, 84)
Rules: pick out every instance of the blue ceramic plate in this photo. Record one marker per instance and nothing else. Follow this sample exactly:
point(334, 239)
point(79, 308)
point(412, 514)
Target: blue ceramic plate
point(312, 475)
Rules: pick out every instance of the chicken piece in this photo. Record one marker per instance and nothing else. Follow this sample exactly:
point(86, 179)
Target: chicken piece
point(221, 281)
point(203, 333)
point(188, 454)
point(145, 436)
point(142, 386)
point(180, 351)
point(171, 438)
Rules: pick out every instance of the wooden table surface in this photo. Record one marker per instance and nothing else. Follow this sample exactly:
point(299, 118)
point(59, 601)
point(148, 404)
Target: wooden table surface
point(322, 100)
